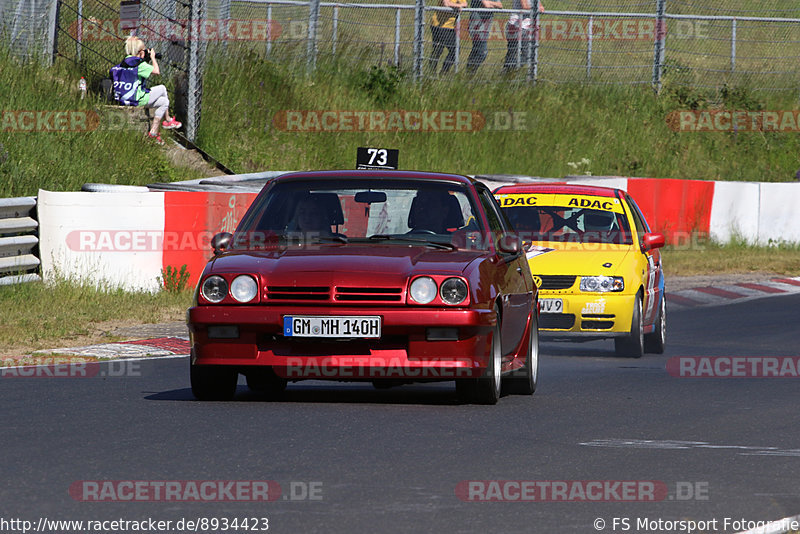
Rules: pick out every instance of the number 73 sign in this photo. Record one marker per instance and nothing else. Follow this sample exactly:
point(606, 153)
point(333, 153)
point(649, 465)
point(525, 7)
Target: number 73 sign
point(376, 158)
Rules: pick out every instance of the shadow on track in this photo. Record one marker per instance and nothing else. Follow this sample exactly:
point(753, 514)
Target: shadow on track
point(439, 394)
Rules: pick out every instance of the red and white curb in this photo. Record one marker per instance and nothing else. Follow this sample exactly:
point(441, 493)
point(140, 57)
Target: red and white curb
point(732, 293)
point(174, 347)
point(161, 347)
point(156, 348)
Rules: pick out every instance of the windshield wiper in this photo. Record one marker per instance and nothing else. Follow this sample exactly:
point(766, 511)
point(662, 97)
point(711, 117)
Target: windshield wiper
point(335, 238)
point(407, 239)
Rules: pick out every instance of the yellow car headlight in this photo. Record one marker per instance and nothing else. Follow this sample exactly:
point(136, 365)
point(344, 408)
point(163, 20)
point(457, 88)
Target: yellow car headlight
point(602, 284)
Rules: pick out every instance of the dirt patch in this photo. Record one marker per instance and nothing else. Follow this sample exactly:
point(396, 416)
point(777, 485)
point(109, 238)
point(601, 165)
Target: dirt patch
point(190, 159)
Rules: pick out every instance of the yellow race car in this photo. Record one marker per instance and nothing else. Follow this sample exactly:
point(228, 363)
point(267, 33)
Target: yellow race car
point(595, 261)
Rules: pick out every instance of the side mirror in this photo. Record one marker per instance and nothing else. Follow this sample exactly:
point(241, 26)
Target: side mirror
point(509, 244)
point(651, 241)
point(220, 242)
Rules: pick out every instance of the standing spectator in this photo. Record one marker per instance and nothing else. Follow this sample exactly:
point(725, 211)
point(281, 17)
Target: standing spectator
point(130, 85)
point(515, 25)
point(443, 34)
point(479, 27)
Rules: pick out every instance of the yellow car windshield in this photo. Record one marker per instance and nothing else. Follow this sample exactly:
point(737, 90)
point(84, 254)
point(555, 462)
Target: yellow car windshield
point(569, 224)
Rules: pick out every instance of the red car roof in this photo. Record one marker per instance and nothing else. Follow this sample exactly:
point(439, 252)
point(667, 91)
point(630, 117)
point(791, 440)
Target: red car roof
point(378, 174)
point(595, 190)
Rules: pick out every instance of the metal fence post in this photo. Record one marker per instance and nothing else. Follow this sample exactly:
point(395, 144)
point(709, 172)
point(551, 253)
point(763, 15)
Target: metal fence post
point(52, 33)
point(397, 37)
point(533, 68)
point(195, 72)
point(269, 29)
point(419, 27)
point(590, 36)
point(658, 46)
point(458, 40)
point(311, 48)
point(335, 34)
point(79, 51)
point(224, 15)
point(518, 62)
point(733, 45)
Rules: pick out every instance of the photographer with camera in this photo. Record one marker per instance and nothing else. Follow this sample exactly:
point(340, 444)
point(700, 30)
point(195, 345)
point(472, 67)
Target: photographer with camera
point(130, 85)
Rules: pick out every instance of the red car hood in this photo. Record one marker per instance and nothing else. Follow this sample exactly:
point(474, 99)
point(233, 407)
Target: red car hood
point(363, 264)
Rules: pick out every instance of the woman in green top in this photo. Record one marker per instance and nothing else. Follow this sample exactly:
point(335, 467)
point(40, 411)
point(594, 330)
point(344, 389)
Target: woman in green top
point(156, 97)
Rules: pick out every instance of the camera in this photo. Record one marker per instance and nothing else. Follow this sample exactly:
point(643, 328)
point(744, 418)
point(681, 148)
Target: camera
point(147, 57)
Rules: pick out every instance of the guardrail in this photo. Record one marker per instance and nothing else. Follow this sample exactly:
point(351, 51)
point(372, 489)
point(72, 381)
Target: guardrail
point(19, 241)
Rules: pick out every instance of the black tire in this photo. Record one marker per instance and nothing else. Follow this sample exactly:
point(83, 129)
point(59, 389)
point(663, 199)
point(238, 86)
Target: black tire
point(487, 388)
point(523, 381)
point(265, 381)
point(655, 342)
point(213, 382)
point(632, 345)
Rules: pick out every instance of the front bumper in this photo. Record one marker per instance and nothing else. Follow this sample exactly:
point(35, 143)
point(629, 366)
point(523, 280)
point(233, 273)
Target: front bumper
point(405, 349)
point(587, 315)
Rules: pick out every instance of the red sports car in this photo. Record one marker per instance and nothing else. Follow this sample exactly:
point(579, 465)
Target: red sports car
point(383, 276)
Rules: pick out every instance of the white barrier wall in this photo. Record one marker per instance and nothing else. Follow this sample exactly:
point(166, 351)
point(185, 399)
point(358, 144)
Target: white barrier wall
point(734, 211)
point(117, 239)
point(103, 238)
point(779, 215)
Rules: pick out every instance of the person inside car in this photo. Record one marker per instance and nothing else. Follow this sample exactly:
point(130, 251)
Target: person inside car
point(434, 212)
point(309, 217)
point(599, 223)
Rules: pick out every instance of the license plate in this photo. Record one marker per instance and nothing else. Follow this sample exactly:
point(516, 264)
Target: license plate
point(328, 326)
point(551, 306)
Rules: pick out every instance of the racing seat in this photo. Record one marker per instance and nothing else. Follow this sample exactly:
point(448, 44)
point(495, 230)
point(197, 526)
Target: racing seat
point(425, 210)
point(330, 206)
point(598, 221)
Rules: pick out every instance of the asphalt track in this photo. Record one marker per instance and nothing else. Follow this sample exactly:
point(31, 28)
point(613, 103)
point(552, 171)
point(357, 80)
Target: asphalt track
point(390, 461)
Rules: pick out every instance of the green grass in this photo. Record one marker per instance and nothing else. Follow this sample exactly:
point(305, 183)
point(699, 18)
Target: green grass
point(736, 257)
point(620, 130)
point(64, 161)
point(43, 316)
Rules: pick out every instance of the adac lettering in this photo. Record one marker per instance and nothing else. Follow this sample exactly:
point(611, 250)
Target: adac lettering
point(587, 203)
point(519, 201)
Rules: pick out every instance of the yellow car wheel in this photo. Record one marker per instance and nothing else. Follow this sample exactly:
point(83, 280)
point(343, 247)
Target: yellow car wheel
point(632, 345)
point(654, 342)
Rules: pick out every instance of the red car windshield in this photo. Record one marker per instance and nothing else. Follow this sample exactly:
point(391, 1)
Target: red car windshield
point(578, 225)
point(346, 210)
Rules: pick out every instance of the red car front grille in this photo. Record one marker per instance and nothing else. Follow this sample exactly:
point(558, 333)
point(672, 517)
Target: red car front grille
point(368, 294)
point(298, 293)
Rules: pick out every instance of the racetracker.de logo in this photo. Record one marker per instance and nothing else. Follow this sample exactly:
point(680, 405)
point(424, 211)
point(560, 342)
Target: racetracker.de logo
point(734, 366)
point(561, 490)
point(566, 29)
point(378, 121)
point(175, 490)
point(724, 120)
point(49, 121)
point(167, 31)
point(50, 367)
point(372, 367)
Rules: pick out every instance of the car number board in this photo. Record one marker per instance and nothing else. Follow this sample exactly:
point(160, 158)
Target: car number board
point(368, 326)
point(551, 305)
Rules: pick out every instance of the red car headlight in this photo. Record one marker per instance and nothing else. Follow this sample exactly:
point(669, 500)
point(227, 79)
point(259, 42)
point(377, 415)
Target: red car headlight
point(453, 291)
point(423, 289)
point(244, 288)
point(214, 289)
